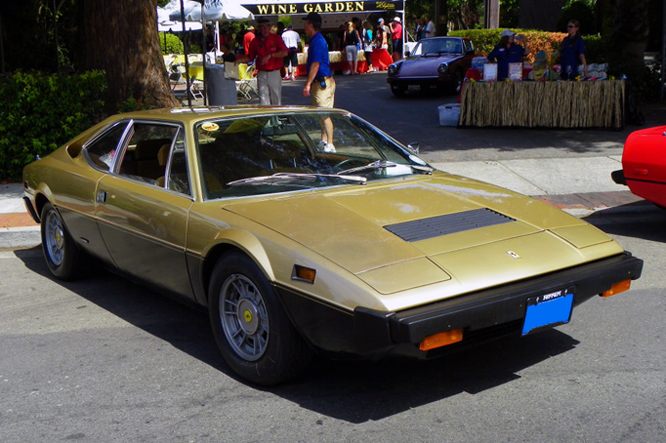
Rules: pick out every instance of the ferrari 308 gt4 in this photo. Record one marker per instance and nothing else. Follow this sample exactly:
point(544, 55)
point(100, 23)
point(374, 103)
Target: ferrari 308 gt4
point(307, 230)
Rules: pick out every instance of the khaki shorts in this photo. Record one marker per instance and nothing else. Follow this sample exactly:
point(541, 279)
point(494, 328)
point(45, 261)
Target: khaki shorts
point(323, 97)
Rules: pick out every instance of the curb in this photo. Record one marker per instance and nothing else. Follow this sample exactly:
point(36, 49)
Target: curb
point(20, 238)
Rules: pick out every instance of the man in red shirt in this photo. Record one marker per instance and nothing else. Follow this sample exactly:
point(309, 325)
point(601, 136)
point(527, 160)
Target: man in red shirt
point(247, 39)
point(269, 51)
point(396, 38)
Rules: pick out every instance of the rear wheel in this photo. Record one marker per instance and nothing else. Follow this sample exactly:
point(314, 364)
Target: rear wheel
point(64, 259)
point(250, 325)
point(398, 90)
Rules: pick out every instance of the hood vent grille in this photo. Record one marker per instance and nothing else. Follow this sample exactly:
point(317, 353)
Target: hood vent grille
point(432, 227)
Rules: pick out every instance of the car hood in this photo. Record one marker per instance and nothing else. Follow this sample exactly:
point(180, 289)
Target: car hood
point(409, 232)
point(418, 66)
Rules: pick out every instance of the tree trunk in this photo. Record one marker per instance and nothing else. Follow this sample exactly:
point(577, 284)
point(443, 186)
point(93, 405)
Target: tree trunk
point(120, 37)
point(441, 18)
point(630, 34)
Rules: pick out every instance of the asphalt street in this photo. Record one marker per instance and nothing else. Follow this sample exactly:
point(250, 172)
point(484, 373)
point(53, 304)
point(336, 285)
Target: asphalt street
point(106, 360)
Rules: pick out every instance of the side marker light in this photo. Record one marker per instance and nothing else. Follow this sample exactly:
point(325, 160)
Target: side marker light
point(441, 339)
point(617, 288)
point(303, 274)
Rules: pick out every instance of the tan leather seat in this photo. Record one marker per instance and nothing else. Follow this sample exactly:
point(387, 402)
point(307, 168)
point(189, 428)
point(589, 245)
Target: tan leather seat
point(145, 156)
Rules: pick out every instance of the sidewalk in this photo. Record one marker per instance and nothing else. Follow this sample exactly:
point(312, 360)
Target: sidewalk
point(17, 228)
point(579, 186)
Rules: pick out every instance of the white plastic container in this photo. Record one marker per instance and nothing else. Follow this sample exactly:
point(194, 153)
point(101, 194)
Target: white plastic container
point(449, 114)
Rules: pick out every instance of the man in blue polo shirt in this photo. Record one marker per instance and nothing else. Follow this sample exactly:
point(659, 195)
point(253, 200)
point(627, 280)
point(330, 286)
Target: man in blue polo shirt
point(319, 85)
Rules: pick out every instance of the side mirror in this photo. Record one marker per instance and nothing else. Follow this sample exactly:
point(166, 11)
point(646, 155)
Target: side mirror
point(414, 147)
point(407, 54)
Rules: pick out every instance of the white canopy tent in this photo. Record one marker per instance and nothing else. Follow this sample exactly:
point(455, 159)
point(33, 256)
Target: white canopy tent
point(213, 11)
point(188, 11)
point(178, 27)
point(332, 12)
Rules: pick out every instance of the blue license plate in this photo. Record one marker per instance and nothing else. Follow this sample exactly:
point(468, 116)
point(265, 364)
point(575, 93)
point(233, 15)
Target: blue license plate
point(548, 310)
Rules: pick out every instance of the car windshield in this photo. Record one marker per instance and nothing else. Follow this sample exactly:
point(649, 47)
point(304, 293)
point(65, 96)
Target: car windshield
point(438, 46)
point(252, 155)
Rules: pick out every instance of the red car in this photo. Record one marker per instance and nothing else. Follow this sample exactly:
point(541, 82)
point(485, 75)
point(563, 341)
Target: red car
point(644, 164)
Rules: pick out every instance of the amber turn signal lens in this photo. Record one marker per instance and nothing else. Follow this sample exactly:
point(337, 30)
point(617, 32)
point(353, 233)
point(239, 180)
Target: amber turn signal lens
point(617, 288)
point(441, 339)
point(303, 274)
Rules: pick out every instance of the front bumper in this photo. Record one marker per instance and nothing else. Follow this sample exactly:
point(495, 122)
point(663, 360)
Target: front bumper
point(618, 177)
point(483, 315)
point(421, 81)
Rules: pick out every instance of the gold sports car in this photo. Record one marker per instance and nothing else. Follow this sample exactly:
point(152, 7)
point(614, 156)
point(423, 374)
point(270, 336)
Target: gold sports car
point(355, 248)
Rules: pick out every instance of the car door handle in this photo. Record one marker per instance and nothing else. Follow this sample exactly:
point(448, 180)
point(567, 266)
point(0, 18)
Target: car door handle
point(101, 196)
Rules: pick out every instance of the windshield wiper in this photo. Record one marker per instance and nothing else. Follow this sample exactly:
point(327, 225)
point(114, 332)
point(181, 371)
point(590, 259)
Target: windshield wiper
point(379, 164)
point(424, 169)
point(282, 177)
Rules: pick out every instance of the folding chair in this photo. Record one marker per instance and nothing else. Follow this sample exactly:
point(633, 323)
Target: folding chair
point(176, 79)
point(195, 88)
point(246, 84)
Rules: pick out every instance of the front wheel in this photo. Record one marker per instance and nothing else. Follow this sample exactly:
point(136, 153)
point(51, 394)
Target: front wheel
point(456, 83)
point(64, 259)
point(250, 326)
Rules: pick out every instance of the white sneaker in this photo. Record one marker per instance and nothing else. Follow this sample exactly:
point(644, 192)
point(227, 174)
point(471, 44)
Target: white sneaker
point(326, 147)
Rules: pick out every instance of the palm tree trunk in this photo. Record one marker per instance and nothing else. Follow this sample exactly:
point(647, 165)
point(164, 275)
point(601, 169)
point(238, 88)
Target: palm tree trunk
point(630, 36)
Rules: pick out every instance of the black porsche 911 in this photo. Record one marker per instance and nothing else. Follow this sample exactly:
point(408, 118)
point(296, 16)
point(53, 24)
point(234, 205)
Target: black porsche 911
point(438, 62)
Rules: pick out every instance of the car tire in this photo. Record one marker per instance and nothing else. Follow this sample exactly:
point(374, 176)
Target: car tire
point(63, 257)
point(398, 90)
point(253, 332)
point(456, 83)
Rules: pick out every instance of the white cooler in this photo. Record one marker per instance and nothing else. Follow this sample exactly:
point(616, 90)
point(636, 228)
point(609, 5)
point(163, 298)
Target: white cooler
point(449, 114)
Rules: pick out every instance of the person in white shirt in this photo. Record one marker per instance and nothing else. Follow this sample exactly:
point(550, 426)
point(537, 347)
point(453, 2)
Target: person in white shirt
point(429, 28)
point(292, 41)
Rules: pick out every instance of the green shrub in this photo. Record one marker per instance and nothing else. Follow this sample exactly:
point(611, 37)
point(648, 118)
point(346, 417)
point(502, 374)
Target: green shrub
point(38, 113)
point(173, 44)
point(595, 49)
point(485, 40)
point(583, 11)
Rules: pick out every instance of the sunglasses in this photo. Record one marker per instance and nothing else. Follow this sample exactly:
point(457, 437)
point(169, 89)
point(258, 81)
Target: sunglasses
point(570, 26)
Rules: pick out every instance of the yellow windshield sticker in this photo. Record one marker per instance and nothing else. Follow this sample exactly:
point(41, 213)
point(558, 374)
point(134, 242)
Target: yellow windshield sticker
point(210, 127)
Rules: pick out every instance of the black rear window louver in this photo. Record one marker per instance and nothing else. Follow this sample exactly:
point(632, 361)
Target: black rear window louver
point(426, 228)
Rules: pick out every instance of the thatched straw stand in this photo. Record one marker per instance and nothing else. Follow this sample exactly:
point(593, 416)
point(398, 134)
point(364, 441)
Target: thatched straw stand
point(541, 104)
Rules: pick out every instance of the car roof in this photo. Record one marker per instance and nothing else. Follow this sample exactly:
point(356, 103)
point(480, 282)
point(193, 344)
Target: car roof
point(444, 37)
point(198, 113)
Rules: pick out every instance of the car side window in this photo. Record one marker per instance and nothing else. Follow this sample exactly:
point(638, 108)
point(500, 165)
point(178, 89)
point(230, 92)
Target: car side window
point(148, 144)
point(102, 151)
point(177, 177)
